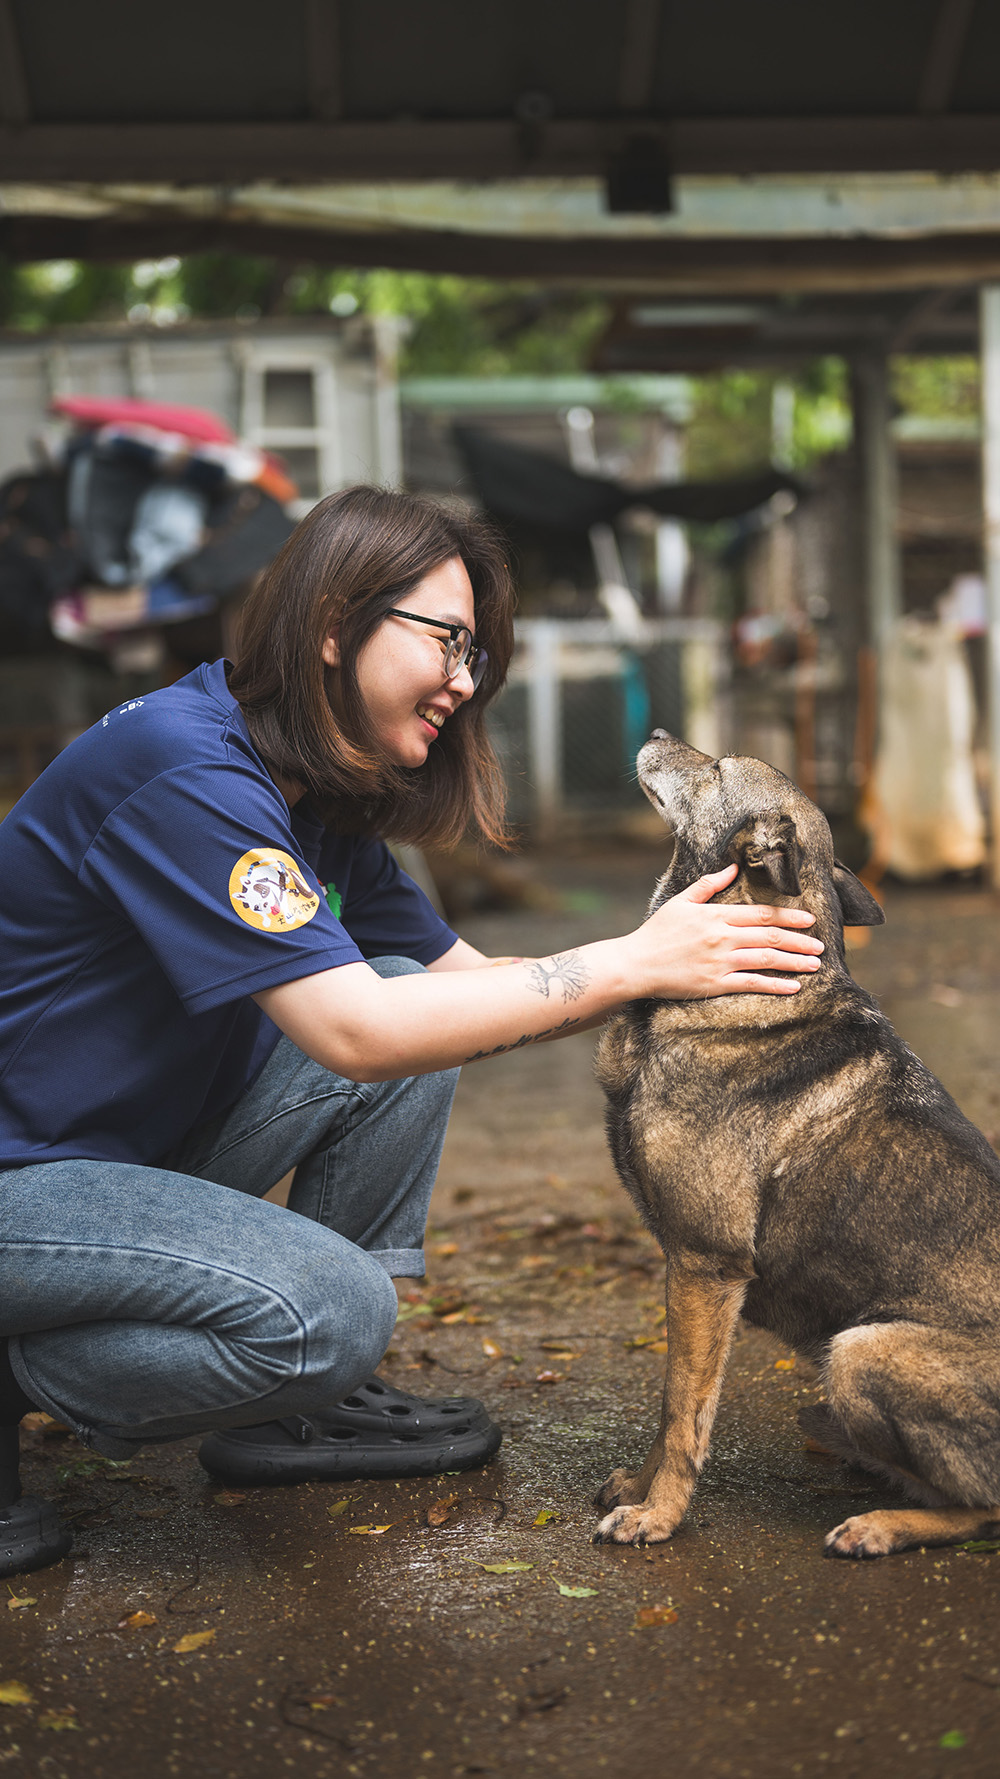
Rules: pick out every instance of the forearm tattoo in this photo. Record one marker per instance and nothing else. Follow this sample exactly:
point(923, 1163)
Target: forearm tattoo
point(551, 1031)
point(567, 969)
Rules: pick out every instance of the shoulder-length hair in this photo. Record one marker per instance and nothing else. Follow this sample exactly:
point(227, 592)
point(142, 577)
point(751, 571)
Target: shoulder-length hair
point(352, 557)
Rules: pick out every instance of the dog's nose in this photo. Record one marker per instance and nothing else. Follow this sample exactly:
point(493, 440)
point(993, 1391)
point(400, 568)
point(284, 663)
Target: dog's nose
point(659, 735)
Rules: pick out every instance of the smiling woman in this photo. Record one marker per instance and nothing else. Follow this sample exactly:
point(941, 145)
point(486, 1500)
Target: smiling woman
point(325, 661)
point(221, 973)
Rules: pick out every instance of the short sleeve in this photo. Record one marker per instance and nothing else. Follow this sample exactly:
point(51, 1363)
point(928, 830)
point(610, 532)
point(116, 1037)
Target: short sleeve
point(202, 862)
point(385, 912)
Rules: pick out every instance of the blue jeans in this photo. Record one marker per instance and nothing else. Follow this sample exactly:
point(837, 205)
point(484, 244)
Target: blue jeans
point(150, 1303)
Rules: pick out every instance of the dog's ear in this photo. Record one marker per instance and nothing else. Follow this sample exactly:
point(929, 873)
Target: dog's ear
point(857, 904)
point(769, 853)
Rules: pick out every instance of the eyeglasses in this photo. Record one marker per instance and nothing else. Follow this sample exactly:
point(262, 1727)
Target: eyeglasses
point(462, 651)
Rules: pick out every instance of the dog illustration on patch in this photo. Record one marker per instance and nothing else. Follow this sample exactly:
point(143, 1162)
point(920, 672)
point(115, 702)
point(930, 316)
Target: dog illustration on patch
point(268, 891)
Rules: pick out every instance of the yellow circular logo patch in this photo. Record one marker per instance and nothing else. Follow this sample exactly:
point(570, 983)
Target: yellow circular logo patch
point(269, 892)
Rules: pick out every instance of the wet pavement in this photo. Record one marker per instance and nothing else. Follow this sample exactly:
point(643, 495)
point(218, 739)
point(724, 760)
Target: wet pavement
point(466, 1624)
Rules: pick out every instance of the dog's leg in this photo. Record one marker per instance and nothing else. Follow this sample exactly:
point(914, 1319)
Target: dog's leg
point(702, 1311)
point(902, 1528)
point(922, 1406)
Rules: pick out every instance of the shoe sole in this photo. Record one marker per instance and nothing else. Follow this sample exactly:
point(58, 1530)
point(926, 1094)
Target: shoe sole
point(236, 1462)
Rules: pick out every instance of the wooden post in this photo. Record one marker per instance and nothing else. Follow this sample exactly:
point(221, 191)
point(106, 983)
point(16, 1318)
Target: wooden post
point(883, 573)
point(989, 320)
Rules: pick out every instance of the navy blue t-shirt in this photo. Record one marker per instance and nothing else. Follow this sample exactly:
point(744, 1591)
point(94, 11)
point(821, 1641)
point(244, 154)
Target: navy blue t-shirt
point(155, 881)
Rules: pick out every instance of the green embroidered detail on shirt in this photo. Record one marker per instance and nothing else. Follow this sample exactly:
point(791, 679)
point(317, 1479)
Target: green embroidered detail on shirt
point(335, 900)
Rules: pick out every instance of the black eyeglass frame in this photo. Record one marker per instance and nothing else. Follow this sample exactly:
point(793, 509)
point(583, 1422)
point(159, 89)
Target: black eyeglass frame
point(473, 657)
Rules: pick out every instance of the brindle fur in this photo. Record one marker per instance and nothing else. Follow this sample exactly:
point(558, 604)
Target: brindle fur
point(801, 1167)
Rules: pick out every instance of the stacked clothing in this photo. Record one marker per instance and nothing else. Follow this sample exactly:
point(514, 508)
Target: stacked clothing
point(150, 514)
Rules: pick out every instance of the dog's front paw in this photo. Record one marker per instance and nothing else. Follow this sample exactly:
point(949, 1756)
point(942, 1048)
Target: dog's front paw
point(863, 1535)
point(635, 1525)
point(619, 1491)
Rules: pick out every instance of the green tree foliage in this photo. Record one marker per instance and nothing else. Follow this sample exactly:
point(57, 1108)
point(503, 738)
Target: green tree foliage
point(480, 327)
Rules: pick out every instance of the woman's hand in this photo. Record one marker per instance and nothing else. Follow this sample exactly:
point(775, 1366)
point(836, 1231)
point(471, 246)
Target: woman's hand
point(689, 951)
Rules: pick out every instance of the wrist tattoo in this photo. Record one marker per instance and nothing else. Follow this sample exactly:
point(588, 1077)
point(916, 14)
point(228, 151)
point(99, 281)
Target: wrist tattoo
point(567, 969)
point(525, 1038)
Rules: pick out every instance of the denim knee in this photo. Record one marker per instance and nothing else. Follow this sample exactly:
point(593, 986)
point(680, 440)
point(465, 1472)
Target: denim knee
point(352, 1339)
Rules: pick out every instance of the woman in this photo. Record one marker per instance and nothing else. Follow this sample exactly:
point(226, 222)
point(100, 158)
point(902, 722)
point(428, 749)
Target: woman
point(212, 971)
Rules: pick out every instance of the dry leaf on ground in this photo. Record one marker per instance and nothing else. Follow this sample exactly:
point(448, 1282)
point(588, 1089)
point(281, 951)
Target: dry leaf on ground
point(193, 1640)
point(14, 1692)
point(439, 1512)
point(18, 1602)
point(575, 1593)
point(545, 1517)
point(648, 1616)
point(491, 1349)
point(336, 1508)
point(508, 1568)
point(136, 1621)
point(371, 1530)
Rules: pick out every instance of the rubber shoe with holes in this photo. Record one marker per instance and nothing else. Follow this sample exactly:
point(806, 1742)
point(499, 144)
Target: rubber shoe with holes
point(31, 1536)
point(375, 1432)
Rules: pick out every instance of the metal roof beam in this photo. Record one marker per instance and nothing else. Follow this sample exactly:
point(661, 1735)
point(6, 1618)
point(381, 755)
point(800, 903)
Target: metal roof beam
point(745, 267)
point(15, 101)
point(944, 56)
point(323, 59)
point(406, 150)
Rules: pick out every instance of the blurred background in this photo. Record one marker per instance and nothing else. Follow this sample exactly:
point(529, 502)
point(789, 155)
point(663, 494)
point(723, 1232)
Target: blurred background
point(701, 304)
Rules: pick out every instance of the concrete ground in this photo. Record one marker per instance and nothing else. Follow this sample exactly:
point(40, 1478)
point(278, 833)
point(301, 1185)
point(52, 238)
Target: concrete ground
point(467, 1625)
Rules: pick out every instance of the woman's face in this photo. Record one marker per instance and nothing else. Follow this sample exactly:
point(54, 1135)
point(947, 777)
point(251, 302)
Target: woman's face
point(400, 669)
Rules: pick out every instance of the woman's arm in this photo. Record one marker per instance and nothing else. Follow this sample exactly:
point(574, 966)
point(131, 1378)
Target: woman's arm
point(370, 1028)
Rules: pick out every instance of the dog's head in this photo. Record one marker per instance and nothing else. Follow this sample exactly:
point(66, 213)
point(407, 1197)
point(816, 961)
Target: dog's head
point(740, 811)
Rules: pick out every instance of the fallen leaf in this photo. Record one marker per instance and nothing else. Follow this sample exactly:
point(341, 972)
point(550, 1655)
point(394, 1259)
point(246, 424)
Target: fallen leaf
point(491, 1349)
point(647, 1616)
point(193, 1640)
point(545, 1518)
point(321, 1701)
point(58, 1720)
point(18, 1602)
point(445, 1249)
point(952, 1739)
point(648, 1343)
point(336, 1508)
point(784, 1365)
point(564, 1355)
point(136, 1621)
point(439, 1512)
point(14, 1692)
point(453, 1316)
point(549, 1377)
point(372, 1531)
point(227, 1498)
point(980, 1545)
point(575, 1593)
point(508, 1568)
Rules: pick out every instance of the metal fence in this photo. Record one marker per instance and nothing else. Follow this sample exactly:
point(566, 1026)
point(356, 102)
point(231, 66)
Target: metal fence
point(582, 698)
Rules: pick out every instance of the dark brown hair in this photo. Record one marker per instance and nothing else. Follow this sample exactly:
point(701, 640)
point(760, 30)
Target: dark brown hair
point(353, 556)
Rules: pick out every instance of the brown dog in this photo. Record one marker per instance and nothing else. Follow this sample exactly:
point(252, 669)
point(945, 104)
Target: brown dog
point(800, 1166)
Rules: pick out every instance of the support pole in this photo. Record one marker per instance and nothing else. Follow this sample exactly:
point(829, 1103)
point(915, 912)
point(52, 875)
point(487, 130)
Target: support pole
point(545, 722)
point(883, 572)
point(989, 347)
